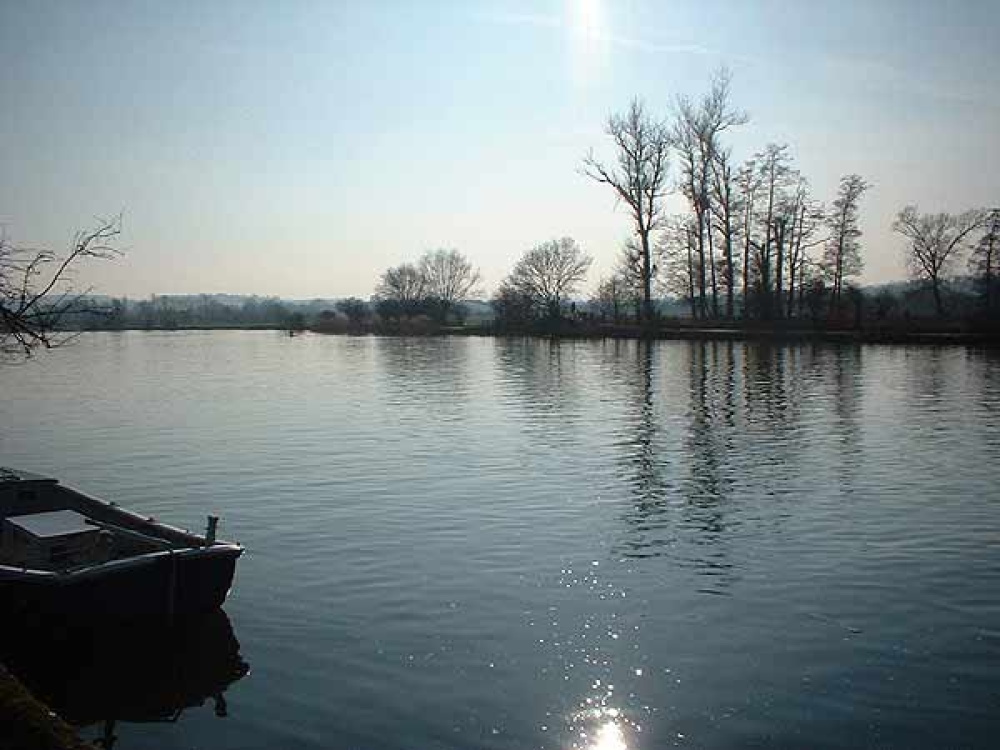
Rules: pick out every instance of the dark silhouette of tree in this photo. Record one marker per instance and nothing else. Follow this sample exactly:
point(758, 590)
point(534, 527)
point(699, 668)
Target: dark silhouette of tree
point(620, 295)
point(843, 250)
point(547, 275)
point(774, 176)
point(37, 296)
point(748, 185)
point(696, 136)
point(639, 179)
point(725, 208)
point(402, 291)
point(678, 246)
point(808, 219)
point(512, 308)
point(448, 278)
point(356, 310)
point(606, 301)
point(627, 273)
point(934, 242)
point(983, 261)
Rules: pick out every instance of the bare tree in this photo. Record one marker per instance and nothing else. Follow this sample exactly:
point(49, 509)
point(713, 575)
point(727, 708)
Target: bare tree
point(748, 186)
point(843, 251)
point(809, 219)
point(549, 274)
point(37, 296)
point(774, 177)
point(448, 278)
point(620, 294)
point(784, 223)
point(610, 298)
point(639, 179)
point(935, 240)
point(696, 135)
point(628, 268)
point(512, 308)
point(725, 208)
point(402, 289)
point(983, 261)
point(678, 246)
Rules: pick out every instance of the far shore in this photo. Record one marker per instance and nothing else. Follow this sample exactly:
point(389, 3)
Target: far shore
point(761, 333)
point(668, 330)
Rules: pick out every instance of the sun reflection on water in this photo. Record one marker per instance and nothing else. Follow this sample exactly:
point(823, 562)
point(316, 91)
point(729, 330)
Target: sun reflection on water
point(609, 737)
point(602, 728)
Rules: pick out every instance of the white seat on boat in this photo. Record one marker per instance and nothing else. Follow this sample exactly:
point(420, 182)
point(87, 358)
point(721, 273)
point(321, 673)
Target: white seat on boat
point(55, 523)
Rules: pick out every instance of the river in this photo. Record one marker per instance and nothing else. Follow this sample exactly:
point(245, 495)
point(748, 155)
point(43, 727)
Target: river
point(514, 543)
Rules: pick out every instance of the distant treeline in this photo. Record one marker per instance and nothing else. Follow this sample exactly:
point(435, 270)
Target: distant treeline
point(898, 307)
point(884, 311)
point(194, 311)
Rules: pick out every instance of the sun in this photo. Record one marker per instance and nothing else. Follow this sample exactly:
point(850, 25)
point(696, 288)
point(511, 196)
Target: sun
point(587, 17)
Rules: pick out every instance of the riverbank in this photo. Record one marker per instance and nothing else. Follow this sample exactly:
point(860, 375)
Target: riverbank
point(917, 334)
point(788, 334)
point(28, 724)
point(910, 335)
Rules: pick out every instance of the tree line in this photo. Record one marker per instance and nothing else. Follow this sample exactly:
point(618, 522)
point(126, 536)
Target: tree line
point(754, 242)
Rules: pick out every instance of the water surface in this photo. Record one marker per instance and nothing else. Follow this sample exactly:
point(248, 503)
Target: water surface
point(513, 543)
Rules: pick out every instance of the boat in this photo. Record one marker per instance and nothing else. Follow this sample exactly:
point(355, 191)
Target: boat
point(68, 557)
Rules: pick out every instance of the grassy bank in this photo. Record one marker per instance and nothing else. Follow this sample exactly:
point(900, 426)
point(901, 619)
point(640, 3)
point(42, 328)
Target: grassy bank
point(28, 724)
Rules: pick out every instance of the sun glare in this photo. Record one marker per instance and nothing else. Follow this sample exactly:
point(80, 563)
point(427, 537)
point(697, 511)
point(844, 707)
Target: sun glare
point(587, 17)
point(609, 737)
point(587, 24)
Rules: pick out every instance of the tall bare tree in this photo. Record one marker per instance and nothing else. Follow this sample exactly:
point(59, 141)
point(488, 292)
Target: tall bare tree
point(696, 134)
point(843, 251)
point(639, 178)
point(784, 221)
point(808, 221)
point(934, 242)
point(448, 278)
point(549, 274)
point(774, 177)
point(983, 261)
point(748, 186)
point(37, 294)
point(725, 206)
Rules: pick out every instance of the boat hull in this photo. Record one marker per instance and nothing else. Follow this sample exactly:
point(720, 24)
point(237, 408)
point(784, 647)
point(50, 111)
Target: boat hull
point(165, 584)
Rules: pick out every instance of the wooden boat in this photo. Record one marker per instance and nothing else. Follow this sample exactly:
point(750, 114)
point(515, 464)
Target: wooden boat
point(66, 556)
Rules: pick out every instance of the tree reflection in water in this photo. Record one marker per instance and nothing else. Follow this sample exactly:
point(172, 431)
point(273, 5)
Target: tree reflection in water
point(671, 499)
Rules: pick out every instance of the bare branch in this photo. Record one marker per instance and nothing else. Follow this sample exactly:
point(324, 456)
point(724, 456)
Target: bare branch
point(37, 299)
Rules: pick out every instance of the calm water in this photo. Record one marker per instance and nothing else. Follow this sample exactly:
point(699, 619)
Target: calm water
point(478, 543)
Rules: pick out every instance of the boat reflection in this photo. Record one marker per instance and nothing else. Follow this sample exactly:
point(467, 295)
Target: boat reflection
point(129, 672)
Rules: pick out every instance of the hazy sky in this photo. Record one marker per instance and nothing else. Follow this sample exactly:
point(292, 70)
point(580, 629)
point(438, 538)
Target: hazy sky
point(300, 148)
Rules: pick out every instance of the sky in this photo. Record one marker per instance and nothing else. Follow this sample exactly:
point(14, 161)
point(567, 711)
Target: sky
point(300, 148)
